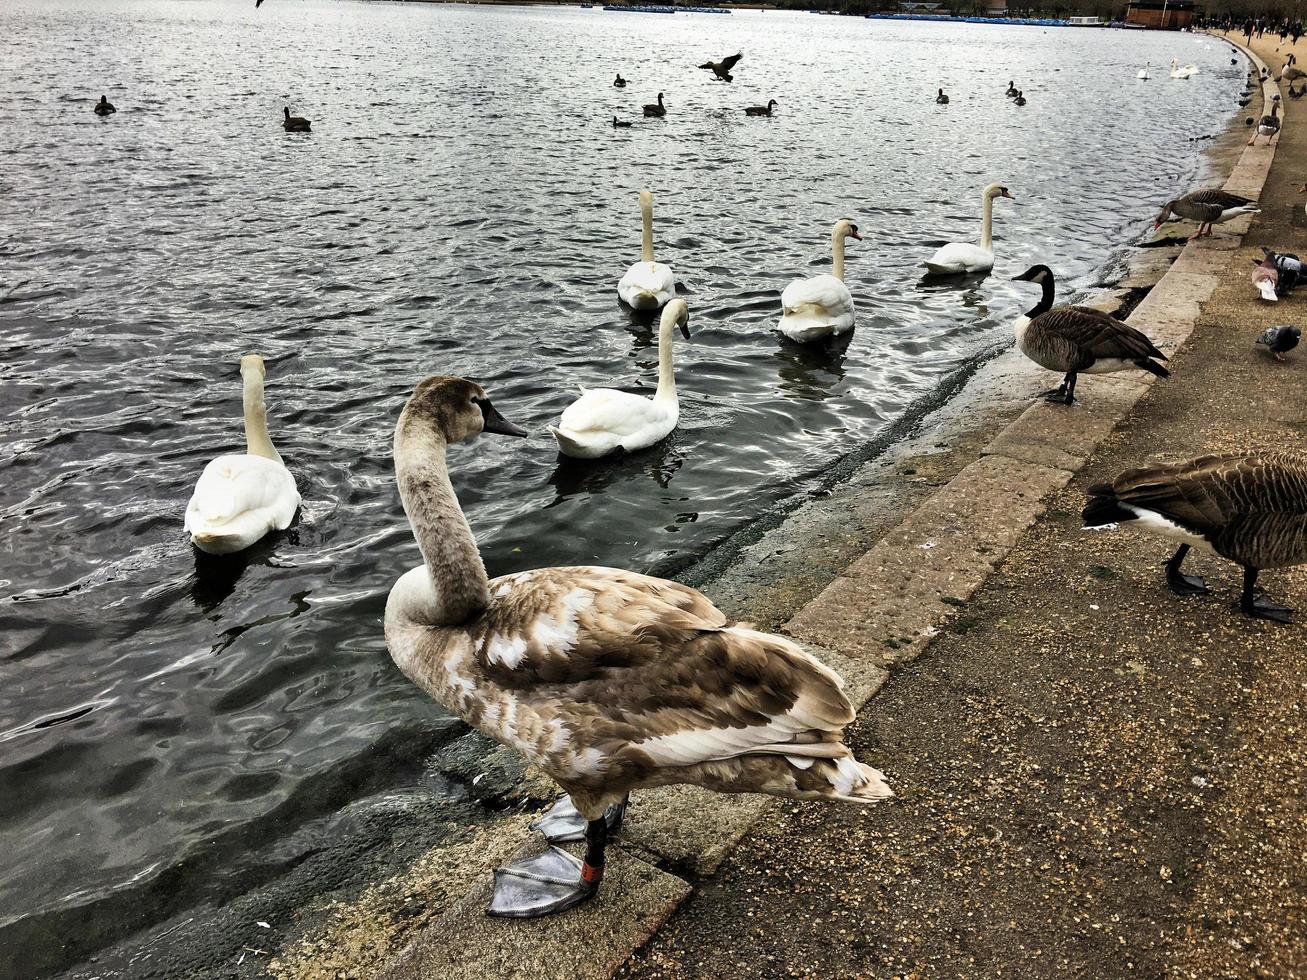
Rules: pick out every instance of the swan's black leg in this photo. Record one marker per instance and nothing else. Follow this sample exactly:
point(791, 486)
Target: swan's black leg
point(553, 881)
point(1178, 582)
point(1260, 608)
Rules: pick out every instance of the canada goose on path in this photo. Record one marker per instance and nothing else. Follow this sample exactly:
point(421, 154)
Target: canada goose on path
point(605, 421)
point(1269, 125)
point(294, 124)
point(941, 99)
point(760, 110)
point(1291, 70)
point(821, 306)
point(620, 123)
point(239, 498)
point(619, 82)
point(1077, 340)
point(1278, 341)
point(656, 111)
point(722, 69)
point(104, 107)
point(1210, 206)
point(605, 679)
point(964, 258)
point(1250, 508)
point(1012, 92)
point(647, 284)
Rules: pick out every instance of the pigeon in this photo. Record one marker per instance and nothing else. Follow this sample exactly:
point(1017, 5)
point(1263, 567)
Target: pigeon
point(1264, 277)
point(1289, 267)
point(1279, 340)
point(722, 69)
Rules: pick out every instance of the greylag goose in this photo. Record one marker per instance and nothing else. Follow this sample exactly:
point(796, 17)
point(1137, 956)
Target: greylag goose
point(1278, 341)
point(760, 110)
point(1210, 206)
point(1250, 508)
point(104, 107)
point(294, 124)
point(1269, 125)
point(1077, 340)
point(607, 680)
point(722, 69)
point(941, 99)
point(619, 81)
point(656, 111)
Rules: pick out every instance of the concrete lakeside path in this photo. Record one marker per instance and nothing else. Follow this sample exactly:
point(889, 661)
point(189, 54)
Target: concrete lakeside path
point(1096, 778)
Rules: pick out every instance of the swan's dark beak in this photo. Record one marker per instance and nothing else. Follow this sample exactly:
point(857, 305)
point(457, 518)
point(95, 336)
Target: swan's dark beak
point(494, 422)
point(685, 328)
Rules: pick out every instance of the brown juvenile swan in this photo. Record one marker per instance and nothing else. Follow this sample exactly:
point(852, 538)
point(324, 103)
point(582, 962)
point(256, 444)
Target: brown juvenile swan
point(1077, 340)
point(607, 680)
point(1250, 508)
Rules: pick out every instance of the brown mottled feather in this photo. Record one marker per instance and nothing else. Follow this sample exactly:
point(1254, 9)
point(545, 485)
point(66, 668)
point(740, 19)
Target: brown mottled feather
point(1072, 338)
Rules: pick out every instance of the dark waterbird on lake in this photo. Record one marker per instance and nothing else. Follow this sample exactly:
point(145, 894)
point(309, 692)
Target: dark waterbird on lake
point(656, 111)
point(941, 99)
point(620, 123)
point(104, 107)
point(722, 69)
point(760, 110)
point(619, 81)
point(294, 124)
point(1012, 91)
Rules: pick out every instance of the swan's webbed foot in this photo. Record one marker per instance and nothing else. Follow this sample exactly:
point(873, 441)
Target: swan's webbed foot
point(543, 885)
point(564, 823)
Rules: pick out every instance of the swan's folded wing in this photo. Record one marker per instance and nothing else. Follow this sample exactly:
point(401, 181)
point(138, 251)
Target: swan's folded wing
point(618, 413)
point(653, 277)
point(825, 291)
point(961, 255)
point(234, 485)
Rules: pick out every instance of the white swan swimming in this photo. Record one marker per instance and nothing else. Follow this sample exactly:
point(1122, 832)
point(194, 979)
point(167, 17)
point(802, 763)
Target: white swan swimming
point(1144, 73)
point(962, 258)
point(647, 285)
point(812, 309)
point(604, 420)
point(1188, 71)
point(240, 498)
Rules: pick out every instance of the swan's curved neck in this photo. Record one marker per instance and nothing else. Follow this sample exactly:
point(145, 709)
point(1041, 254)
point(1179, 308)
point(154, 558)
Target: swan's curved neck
point(460, 588)
point(1045, 300)
point(257, 440)
point(646, 238)
point(666, 376)
point(837, 254)
point(987, 222)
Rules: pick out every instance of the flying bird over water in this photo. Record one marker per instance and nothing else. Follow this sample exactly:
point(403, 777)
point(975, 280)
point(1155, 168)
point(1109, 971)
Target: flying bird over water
point(722, 69)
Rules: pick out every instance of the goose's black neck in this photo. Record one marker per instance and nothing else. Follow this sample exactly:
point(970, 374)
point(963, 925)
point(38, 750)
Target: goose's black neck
point(1046, 300)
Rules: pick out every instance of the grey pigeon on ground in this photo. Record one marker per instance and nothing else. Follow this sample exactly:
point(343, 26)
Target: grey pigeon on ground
point(1279, 340)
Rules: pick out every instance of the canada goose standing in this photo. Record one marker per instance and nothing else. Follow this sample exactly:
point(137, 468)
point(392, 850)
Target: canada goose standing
point(1269, 125)
point(1291, 71)
point(620, 123)
point(1019, 100)
point(1077, 340)
point(606, 680)
point(1278, 341)
point(619, 82)
point(294, 124)
point(1012, 92)
point(656, 111)
point(239, 498)
point(722, 69)
point(941, 99)
point(821, 306)
point(1250, 508)
point(760, 110)
point(104, 107)
point(1210, 206)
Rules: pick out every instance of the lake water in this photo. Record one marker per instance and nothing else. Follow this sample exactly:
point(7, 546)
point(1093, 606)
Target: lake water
point(463, 205)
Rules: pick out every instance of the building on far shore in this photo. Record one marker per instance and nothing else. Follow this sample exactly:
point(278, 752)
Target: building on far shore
point(1163, 15)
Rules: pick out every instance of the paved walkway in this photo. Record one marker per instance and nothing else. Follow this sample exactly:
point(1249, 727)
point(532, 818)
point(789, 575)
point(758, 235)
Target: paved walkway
point(1096, 778)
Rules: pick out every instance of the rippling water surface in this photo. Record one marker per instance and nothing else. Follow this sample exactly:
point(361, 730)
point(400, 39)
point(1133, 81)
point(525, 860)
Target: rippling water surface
point(462, 205)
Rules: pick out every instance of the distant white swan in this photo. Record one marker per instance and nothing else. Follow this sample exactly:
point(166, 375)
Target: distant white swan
point(1188, 71)
point(647, 285)
point(1143, 72)
point(604, 420)
point(240, 498)
point(963, 258)
point(820, 307)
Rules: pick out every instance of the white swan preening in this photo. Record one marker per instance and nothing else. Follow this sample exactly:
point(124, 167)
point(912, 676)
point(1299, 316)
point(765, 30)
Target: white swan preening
point(963, 258)
point(647, 285)
point(240, 498)
point(607, 680)
point(1186, 71)
point(604, 421)
point(820, 307)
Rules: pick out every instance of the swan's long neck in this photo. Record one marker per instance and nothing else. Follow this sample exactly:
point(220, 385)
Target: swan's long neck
point(666, 376)
point(837, 254)
point(257, 440)
point(458, 577)
point(1045, 300)
point(646, 218)
point(987, 223)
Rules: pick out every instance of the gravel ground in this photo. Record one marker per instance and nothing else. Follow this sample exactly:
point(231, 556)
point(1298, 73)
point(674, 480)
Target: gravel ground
point(1096, 778)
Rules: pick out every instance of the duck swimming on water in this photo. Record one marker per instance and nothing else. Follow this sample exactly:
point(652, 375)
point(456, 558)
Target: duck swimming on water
point(607, 680)
point(619, 82)
point(941, 99)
